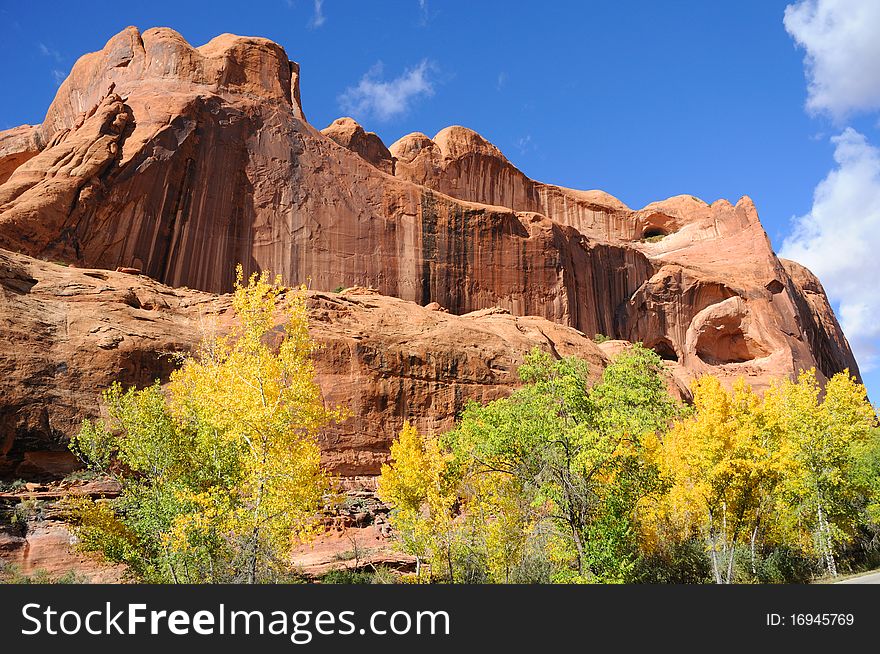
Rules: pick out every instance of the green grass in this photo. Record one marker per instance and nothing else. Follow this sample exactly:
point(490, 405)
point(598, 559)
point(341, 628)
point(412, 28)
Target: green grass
point(12, 574)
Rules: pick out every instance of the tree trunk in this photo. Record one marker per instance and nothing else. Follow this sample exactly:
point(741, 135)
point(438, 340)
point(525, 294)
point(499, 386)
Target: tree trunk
point(730, 558)
point(826, 542)
point(713, 542)
point(715, 569)
point(252, 563)
point(449, 561)
point(170, 565)
point(752, 548)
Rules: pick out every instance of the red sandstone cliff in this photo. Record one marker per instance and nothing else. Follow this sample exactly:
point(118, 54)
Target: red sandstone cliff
point(67, 333)
point(182, 161)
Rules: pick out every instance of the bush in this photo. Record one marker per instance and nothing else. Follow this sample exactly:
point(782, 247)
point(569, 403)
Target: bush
point(379, 575)
point(11, 486)
point(677, 563)
point(12, 574)
point(783, 565)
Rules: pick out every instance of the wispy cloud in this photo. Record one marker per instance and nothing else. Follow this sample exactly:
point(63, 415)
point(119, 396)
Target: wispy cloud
point(424, 12)
point(318, 17)
point(58, 75)
point(46, 51)
point(373, 96)
point(525, 144)
point(501, 81)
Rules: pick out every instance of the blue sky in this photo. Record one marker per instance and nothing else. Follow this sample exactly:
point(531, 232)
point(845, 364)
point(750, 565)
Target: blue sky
point(642, 99)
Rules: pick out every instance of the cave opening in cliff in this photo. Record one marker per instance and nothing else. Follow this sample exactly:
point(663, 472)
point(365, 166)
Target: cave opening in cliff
point(654, 234)
point(664, 350)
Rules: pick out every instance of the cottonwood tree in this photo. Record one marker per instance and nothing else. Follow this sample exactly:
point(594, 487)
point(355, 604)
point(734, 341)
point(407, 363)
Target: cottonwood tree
point(421, 490)
point(221, 475)
point(820, 435)
point(556, 453)
point(719, 466)
point(794, 468)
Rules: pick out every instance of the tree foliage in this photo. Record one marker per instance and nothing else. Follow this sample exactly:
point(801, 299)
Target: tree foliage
point(221, 472)
point(791, 470)
point(718, 466)
point(821, 495)
point(559, 463)
point(420, 487)
point(570, 482)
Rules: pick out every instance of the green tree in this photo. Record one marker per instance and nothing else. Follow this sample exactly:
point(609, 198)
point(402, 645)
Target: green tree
point(576, 454)
point(866, 475)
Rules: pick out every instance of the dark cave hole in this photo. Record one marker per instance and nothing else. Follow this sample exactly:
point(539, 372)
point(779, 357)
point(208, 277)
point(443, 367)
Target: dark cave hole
point(665, 350)
point(654, 234)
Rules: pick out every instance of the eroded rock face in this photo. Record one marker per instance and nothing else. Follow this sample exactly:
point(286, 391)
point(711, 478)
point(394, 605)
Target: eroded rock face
point(49, 549)
point(66, 334)
point(349, 134)
point(387, 359)
point(180, 162)
point(17, 145)
point(39, 543)
point(709, 291)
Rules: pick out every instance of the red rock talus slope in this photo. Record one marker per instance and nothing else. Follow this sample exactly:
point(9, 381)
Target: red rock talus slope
point(68, 333)
point(182, 162)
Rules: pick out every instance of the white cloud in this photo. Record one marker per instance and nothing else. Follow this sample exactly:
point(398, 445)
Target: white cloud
point(842, 53)
point(59, 76)
point(839, 240)
point(502, 80)
point(423, 9)
point(374, 97)
point(46, 51)
point(318, 18)
point(524, 144)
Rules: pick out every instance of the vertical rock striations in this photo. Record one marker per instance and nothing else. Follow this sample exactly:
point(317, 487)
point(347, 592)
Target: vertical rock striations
point(181, 162)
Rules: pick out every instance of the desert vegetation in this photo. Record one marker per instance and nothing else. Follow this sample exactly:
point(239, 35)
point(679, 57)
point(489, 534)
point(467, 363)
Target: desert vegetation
point(613, 483)
point(564, 481)
point(221, 472)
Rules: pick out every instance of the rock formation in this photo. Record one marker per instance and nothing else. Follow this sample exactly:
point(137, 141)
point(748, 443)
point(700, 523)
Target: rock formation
point(347, 133)
point(39, 542)
point(67, 333)
point(17, 145)
point(180, 162)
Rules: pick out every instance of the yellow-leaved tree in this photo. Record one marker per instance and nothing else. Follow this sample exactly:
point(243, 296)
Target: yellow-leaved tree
point(498, 518)
point(422, 493)
point(221, 472)
point(720, 466)
point(821, 431)
point(791, 469)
